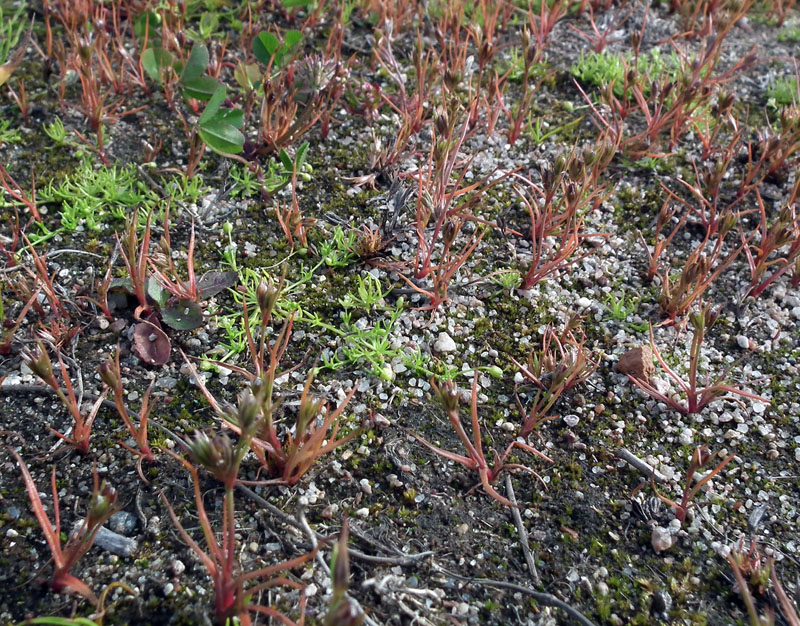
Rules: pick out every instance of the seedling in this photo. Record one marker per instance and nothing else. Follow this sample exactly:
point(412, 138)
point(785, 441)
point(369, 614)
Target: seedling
point(39, 363)
point(112, 376)
point(562, 363)
point(448, 394)
point(616, 307)
point(101, 507)
point(287, 455)
point(232, 595)
point(342, 611)
point(696, 398)
point(700, 458)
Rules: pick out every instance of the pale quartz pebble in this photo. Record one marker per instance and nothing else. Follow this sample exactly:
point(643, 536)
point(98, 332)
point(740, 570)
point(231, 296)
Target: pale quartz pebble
point(444, 343)
point(661, 539)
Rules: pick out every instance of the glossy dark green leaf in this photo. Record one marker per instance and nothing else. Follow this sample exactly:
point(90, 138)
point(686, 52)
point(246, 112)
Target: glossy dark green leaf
point(182, 315)
point(234, 117)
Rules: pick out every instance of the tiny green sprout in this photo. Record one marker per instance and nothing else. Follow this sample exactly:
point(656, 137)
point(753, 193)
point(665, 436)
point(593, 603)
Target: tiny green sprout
point(227, 228)
point(56, 131)
point(508, 280)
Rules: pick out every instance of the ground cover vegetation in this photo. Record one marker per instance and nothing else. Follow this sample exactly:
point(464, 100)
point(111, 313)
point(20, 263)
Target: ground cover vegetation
point(262, 258)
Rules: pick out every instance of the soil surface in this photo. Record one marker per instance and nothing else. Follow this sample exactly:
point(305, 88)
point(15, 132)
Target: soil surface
point(405, 259)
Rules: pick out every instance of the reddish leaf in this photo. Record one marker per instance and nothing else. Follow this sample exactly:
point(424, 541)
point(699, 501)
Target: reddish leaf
point(150, 343)
point(211, 283)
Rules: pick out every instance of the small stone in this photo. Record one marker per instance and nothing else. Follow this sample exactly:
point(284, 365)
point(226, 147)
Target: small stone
point(111, 542)
point(743, 342)
point(660, 605)
point(363, 513)
point(773, 455)
point(177, 567)
point(445, 343)
point(123, 523)
point(365, 486)
point(12, 534)
point(571, 420)
point(253, 547)
point(168, 589)
point(462, 529)
point(637, 363)
point(661, 539)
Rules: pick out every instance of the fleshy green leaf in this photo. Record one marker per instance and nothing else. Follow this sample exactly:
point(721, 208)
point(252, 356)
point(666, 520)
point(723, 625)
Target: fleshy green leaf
point(148, 21)
point(182, 315)
point(157, 292)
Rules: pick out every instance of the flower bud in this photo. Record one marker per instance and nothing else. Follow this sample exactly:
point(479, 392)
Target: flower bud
point(442, 124)
point(108, 374)
point(346, 612)
point(494, 371)
point(447, 394)
point(573, 194)
point(247, 411)
point(340, 564)
point(266, 295)
point(449, 231)
point(102, 505)
point(39, 362)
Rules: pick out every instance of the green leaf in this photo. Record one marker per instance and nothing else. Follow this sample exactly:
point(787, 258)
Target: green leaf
point(155, 61)
point(264, 46)
point(182, 315)
point(291, 39)
point(196, 64)
point(300, 159)
point(293, 4)
point(157, 292)
point(214, 102)
point(286, 160)
point(148, 21)
point(234, 117)
point(221, 137)
point(247, 76)
point(202, 88)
